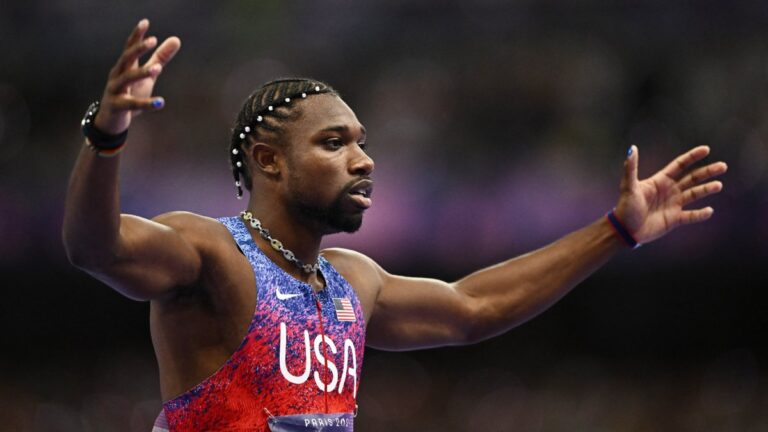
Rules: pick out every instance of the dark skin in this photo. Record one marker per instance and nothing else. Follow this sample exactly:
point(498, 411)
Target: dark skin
point(202, 289)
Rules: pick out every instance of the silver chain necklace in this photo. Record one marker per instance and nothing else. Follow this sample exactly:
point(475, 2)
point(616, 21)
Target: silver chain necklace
point(277, 245)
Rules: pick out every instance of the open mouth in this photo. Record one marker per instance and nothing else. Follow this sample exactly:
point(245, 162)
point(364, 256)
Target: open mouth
point(361, 193)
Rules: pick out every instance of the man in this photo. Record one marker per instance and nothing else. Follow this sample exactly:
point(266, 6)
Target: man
point(253, 326)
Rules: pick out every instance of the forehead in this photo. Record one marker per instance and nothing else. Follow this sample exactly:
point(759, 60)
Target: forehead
point(325, 110)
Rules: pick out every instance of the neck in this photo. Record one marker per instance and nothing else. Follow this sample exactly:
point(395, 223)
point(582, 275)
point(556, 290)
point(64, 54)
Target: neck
point(297, 236)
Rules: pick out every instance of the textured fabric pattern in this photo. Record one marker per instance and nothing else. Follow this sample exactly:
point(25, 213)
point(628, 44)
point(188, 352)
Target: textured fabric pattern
point(280, 366)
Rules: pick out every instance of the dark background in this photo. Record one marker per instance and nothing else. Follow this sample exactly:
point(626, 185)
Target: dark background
point(496, 127)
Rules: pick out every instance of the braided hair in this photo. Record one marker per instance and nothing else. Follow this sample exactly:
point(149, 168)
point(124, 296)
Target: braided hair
point(264, 116)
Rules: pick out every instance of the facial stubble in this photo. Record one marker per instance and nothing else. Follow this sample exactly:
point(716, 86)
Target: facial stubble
point(331, 218)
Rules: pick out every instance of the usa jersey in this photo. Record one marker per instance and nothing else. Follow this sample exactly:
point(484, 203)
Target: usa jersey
point(303, 353)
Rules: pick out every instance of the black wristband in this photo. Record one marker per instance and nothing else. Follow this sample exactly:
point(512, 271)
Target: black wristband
point(97, 139)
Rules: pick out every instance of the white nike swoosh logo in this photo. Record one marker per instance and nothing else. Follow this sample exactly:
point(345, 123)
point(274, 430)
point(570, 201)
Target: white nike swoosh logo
point(282, 296)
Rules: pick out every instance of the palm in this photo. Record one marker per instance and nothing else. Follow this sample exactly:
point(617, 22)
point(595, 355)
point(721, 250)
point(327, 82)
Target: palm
point(658, 202)
point(655, 206)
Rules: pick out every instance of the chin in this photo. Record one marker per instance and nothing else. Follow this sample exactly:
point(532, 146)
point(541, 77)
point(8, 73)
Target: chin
point(347, 224)
point(330, 219)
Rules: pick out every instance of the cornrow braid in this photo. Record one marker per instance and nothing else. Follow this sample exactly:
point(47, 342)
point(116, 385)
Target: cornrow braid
point(264, 116)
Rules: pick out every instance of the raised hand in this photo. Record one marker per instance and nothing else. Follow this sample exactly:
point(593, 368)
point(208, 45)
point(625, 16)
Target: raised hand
point(652, 207)
point(129, 87)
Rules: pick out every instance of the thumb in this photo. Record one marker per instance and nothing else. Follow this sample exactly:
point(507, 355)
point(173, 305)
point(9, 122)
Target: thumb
point(629, 180)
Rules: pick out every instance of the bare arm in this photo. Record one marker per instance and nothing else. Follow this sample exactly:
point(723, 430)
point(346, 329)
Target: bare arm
point(410, 313)
point(140, 258)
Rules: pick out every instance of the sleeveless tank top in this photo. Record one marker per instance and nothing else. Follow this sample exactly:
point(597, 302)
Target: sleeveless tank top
point(303, 353)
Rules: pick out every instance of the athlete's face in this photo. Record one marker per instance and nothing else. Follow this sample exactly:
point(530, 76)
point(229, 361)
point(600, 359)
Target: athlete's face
point(328, 172)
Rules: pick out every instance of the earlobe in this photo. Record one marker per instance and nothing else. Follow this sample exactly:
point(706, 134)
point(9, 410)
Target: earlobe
point(266, 158)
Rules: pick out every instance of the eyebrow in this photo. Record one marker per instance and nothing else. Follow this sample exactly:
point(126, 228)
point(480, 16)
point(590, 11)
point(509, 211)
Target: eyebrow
point(343, 128)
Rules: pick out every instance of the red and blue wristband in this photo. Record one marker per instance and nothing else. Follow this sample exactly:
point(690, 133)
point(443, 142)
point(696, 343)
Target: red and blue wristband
point(621, 230)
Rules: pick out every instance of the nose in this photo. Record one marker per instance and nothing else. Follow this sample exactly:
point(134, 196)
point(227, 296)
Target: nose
point(361, 163)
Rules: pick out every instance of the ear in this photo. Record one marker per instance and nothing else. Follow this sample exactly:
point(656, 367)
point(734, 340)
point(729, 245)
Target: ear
point(266, 158)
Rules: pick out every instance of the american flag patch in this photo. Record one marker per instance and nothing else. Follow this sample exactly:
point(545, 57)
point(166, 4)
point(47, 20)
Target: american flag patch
point(344, 311)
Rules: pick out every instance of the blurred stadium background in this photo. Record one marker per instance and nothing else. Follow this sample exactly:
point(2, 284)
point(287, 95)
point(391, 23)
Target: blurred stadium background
point(497, 126)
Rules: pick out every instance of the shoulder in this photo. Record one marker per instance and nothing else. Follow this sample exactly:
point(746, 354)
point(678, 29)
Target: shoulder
point(360, 270)
point(184, 219)
point(346, 260)
point(188, 221)
point(363, 273)
point(194, 228)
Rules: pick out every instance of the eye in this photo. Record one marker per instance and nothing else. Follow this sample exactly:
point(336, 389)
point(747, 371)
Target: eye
point(363, 146)
point(334, 143)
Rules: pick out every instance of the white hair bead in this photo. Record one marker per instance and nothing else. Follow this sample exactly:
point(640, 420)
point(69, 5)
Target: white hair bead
point(259, 118)
point(303, 95)
point(234, 151)
point(317, 88)
point(247, 129)
point(287, 100)
point(242, 135)
point(239, 164)
point(271, 108)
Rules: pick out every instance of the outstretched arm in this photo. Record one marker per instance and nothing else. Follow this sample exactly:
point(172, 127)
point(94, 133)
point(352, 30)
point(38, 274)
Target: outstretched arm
point(410, 313)
point(138, 257)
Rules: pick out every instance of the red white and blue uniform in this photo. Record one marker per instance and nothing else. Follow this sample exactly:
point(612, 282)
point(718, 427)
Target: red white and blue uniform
point(303, 353)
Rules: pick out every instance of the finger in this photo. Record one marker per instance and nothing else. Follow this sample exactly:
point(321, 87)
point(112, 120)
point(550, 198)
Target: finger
point(698, 192)
point(131, 54)
point(694, 216)
point(119, 84)
point(125, 103)
point(165, 52)
point(681, 163)
point(629, 179)
point(702, 174)
point(137, 33)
